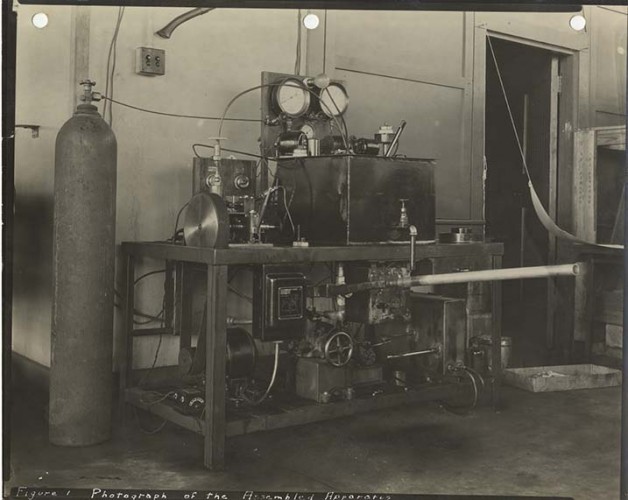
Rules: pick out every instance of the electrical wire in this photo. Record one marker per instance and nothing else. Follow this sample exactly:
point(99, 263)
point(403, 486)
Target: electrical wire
point(150, 370)
point(111, 64)
point(285, 204)
point(477, 374)
point(159, 428)
point(176, 223)
point(237, 292)
point(510, 115)
point(161, 397)
point(137, 312)
point(150, 273)
point(270, 385)
point(176, 115)
point(476, 393)
point(153, 319)
point(344, 123)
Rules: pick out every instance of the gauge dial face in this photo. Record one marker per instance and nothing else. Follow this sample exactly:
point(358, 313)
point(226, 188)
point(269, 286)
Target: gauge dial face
point(334, 100)
point(292, 98)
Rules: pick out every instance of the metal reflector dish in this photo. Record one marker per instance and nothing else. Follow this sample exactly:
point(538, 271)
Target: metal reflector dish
point(206, 222)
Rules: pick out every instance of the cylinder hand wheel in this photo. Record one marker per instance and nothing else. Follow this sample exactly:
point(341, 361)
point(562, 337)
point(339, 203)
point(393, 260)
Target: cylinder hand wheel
point(338, 349)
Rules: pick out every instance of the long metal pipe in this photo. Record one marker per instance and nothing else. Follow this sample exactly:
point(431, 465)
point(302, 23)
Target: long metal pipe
point(514, 273)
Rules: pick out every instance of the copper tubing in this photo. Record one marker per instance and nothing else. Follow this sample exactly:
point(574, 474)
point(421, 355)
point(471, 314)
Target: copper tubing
point(514, 273)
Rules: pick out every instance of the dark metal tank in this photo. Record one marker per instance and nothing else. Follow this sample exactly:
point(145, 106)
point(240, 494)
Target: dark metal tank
point(83, 266)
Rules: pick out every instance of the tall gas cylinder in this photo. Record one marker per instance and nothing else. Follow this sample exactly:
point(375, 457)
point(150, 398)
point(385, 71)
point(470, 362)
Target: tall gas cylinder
point(83, 266)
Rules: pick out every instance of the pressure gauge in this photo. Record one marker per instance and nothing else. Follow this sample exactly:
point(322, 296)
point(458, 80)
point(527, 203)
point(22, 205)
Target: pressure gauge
point(334, 100)
point(292, 97)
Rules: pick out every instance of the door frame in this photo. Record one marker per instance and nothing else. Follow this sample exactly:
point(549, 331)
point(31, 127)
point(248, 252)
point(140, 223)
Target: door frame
point(573, 82)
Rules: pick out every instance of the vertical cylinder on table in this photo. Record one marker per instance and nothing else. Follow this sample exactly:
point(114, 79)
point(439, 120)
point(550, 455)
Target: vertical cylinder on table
point(83, 266)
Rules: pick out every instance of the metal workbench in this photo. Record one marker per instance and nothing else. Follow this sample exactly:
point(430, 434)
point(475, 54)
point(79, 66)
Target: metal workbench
point(214, 425)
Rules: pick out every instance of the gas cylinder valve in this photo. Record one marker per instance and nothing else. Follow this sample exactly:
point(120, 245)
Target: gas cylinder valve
point(88, 94)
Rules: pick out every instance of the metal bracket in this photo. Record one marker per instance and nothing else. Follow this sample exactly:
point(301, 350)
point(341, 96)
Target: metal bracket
point(34, 129)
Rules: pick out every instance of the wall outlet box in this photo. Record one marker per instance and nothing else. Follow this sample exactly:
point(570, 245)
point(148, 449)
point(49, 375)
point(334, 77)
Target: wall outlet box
point(150, 62)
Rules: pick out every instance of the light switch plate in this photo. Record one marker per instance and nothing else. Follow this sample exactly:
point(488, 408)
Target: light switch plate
point(150, 62)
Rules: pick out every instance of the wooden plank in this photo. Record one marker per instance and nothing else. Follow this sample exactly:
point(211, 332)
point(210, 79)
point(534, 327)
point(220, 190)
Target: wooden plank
point(169, 295)
point(307, 412)
point(136, 397)
point(583, 307)
point(266, 255)
point(476, 170)
point(168, 251)
point(496, 336)
point(144, 332)
point(478, 117)
point(584, 200)
point(215, 368)
point(553, 198)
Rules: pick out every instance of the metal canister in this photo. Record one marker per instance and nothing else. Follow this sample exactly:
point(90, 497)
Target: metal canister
point(486, 344)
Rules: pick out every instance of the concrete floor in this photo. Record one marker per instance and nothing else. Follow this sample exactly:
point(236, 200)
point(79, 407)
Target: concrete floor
point(563, 444)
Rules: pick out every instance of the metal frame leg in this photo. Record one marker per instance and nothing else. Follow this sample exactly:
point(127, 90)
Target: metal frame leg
point(496, 336)
point(215, 418)
point(126, 359)
point(583, 311)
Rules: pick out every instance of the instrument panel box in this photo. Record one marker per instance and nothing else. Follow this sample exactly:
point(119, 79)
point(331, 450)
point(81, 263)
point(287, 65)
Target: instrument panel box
point(346, 199)
point(279, 294)
point(236, 177)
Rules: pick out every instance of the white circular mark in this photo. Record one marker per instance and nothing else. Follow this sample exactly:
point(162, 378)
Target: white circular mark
point(578, 22)
point(40, 20)
point(311, 21)
point(621, 51)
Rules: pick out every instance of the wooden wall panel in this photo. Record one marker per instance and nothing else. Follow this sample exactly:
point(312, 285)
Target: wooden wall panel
point(609, 30)
point(435, 128)
point(413, 66)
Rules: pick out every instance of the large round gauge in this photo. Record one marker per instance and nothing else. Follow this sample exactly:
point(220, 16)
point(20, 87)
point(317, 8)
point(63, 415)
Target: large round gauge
point(292, 97)
point(334, 100)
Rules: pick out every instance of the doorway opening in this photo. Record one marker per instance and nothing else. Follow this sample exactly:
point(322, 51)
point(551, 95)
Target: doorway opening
point(531, 80)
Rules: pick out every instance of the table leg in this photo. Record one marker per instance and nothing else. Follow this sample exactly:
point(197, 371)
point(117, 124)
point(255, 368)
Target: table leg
point(496, 336)
point(128, 306)
point(216, 348)
point(169, 297)
point(583, 311)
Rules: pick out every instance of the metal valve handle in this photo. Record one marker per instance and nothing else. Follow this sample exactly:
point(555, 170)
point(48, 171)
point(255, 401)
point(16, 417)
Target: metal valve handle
point(338, 349)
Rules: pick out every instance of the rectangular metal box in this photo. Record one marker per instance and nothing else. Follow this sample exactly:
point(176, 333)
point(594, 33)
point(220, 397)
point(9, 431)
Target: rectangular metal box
point(316, 376)
point(278, 302)
point(344, 200)
point(439, 321)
